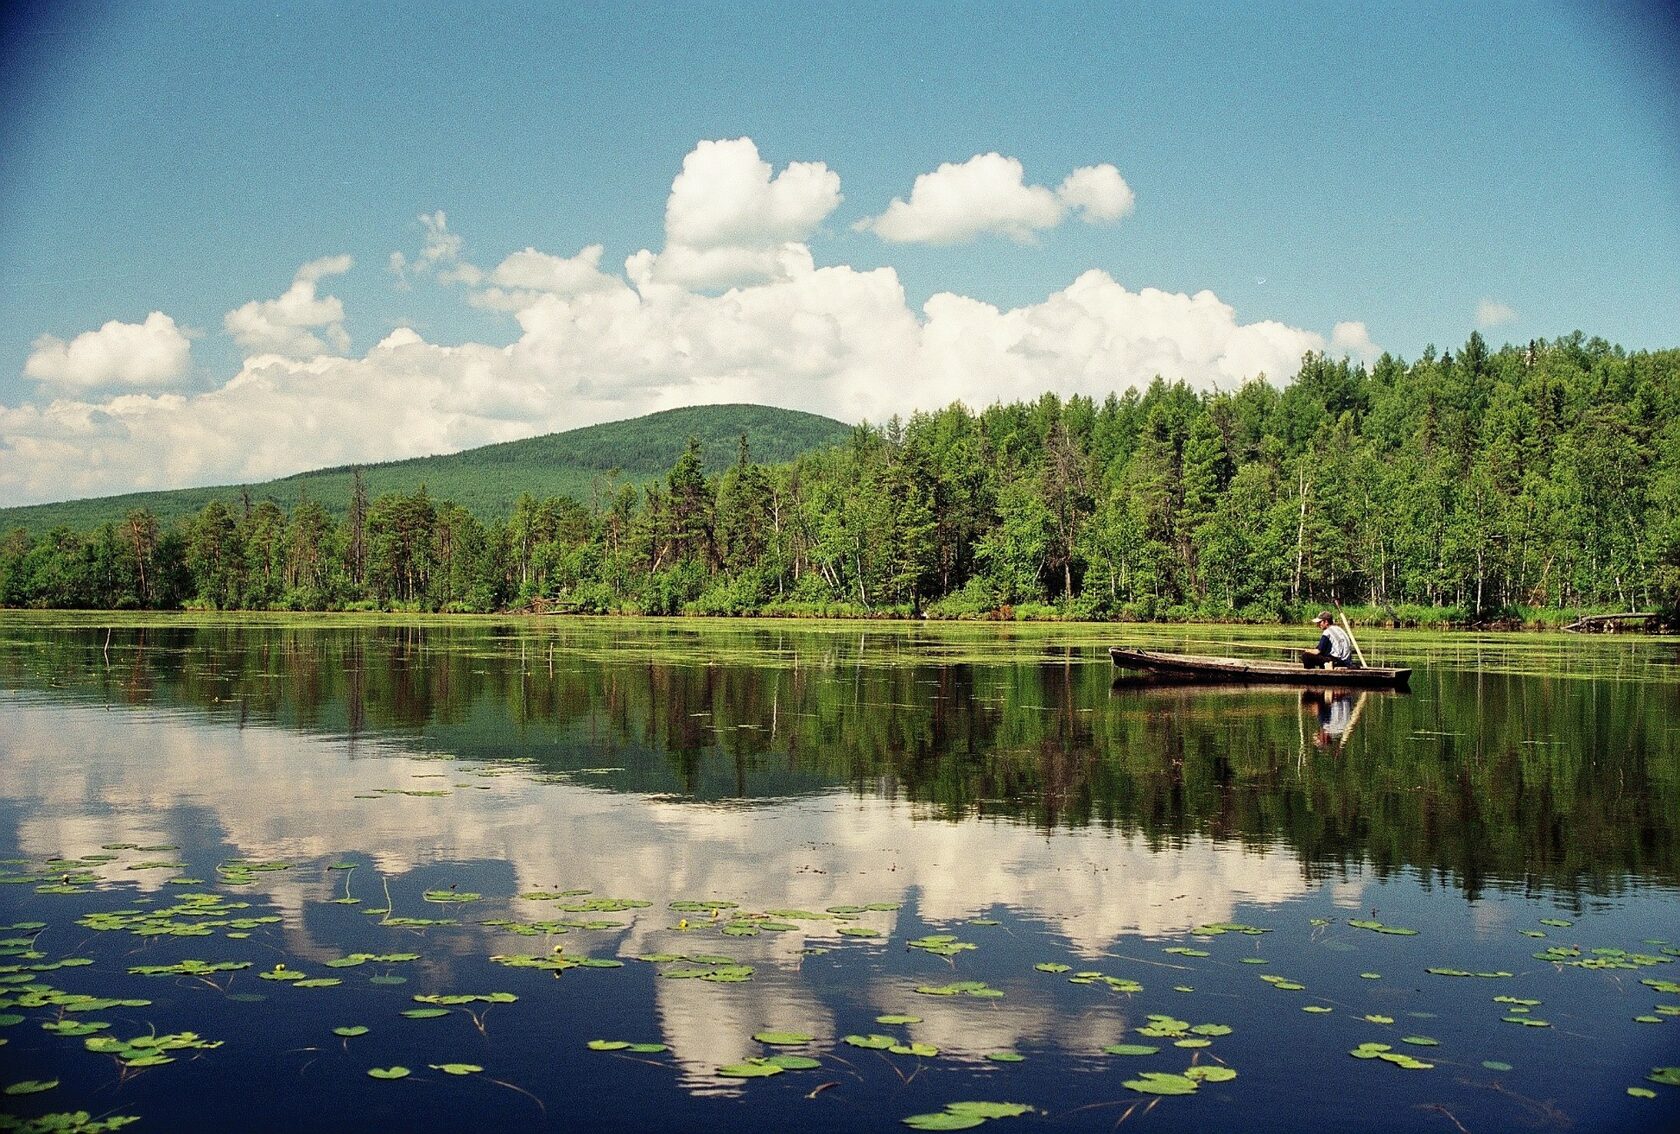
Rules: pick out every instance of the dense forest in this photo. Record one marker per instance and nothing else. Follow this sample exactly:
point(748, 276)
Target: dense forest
point(1476, 487)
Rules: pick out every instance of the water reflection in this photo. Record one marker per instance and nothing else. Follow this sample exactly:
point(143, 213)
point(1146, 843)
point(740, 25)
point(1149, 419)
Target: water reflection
point(1532, 766)
point(81, 778)
point(958, 779)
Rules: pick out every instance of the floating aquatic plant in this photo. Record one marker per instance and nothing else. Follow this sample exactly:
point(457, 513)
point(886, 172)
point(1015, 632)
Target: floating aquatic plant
point(1162, 1083)
point(965, 1115)
point(1379, 927)
point(782, 1039)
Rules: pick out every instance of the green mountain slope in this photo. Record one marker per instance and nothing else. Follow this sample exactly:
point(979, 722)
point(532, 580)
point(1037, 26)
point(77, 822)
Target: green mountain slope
point(489, 479)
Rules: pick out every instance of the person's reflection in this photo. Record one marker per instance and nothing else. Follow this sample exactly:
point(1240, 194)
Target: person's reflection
point(1336, 713)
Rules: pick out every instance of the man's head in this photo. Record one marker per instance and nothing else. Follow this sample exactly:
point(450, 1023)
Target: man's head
point(1323, 619)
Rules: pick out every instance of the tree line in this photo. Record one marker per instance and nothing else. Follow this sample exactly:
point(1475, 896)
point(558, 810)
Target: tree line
point(1473, 487)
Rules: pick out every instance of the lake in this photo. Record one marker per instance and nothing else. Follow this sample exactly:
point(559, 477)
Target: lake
point(335, 873)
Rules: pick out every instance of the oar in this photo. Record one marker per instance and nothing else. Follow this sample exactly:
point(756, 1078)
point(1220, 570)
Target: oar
point(1349, 628)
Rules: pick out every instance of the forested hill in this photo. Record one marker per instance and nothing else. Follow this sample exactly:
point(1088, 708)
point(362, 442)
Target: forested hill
point(488, 480)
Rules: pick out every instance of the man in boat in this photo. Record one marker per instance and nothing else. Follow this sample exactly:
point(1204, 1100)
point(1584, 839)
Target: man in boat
point(1334, 649)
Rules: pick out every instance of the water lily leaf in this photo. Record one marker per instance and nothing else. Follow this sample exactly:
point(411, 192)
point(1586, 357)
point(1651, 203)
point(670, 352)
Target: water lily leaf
point(425, 1013)
point(1495, 1065)
point(751, 1069)
point(388, 1072)
point(456, 1068)
point(869, 1042)
point(926, 1050)
point(608, 1045)
point(1642, 1092)
point(349, 1031)
point(1254, 961)
point(1667, 1076)
point(794, 1062)
point(1006, 1057)
point(1370, 976)
point(1195, 1041)
point(1379, 927)
point(1319, 1009)
point(1556, 922)
point(1130, 1049)
point(1052, 967)
point(781, 1038)
point(1420, 1041)
point(944, 1120)
point(1376, 1019)
point(1161, 1083)
point(1405, 1062)
point(647, 1048)
point(30, 1086)
point(989, 1109)
point(898, 1019)
point(1211, 1073)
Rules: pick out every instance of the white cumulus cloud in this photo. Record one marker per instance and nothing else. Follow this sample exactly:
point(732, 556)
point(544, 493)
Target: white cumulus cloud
point(1098, 192)
point(725, 196)
point(730, 220)
point(288, 325)
point(152, 353)
point(1491, 313)
point(594, 345)
point(518, 280)
point(989, 193)
point(1354, 341)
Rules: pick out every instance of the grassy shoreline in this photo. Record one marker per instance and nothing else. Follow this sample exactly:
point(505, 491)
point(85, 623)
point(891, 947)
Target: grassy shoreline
point(1441, 620)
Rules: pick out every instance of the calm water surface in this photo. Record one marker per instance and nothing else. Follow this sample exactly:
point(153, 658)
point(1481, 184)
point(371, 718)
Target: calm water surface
point(688, 835)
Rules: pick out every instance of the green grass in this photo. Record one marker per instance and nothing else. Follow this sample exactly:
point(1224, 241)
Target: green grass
point(488, 480)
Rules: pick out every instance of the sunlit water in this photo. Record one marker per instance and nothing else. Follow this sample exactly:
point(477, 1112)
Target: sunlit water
point(694, 800)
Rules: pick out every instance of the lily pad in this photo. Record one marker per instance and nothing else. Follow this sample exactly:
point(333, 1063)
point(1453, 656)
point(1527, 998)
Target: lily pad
point(777, 1039)
point(30, 1086)
point(456, 1068)
point(943, 1120)
point(350, 1031)
point(1211, 1073)
point(751, 1069)
point(1130, 1049)
point(388, 1072)
point(794, 1062)
point(1161, 1083)
point(989, 1109)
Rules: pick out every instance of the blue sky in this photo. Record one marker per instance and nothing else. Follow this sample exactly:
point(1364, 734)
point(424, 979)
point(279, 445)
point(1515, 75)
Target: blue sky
point(223, 254)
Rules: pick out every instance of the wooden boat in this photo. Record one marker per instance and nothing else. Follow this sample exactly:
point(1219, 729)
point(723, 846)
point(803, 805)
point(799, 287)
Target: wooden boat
point(1193, 667)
